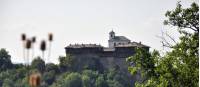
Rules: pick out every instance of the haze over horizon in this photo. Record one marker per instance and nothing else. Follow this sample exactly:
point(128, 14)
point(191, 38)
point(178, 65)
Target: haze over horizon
point(82, 21)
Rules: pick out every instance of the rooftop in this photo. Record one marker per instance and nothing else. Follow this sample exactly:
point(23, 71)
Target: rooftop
point(119, 38)
point(115, 38)
point(83, 45)
point(132, 44)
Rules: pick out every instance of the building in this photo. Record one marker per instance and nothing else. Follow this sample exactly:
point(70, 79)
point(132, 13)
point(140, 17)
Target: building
point(119, 48)
point(117, 40)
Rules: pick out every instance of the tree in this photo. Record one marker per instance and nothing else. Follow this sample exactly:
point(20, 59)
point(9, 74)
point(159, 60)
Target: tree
point(179, 67)
point(184, 18)
point(114, 83)
point(11, 76)
point(38, 64)
point(101, 82)
point(49, 77)
point(66, 62)
point(59, 80)
point(115, 76)
point(86, 81)
point(5, 62)
point(51, 67)
point(91, 64)
point(8, 83)
point(24, 82)
point(92, 75)
point(72, 80)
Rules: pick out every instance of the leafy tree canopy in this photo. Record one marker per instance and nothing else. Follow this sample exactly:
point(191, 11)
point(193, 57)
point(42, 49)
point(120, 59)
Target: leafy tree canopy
point(38, 64)
point(5, 62)
point(179, 67)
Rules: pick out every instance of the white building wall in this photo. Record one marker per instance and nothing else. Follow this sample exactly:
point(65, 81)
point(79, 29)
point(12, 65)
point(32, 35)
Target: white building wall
point(115, 43)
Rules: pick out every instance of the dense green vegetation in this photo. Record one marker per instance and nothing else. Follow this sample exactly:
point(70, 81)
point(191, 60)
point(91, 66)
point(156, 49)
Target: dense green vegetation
point(178, 67)
point(64, 74)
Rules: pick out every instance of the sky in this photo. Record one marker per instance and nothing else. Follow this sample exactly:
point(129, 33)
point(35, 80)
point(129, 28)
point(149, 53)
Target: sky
point(82, 21)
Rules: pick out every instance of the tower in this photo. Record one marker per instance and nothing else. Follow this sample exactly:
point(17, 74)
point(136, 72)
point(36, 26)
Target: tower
point(111, 39)
point(112, 35)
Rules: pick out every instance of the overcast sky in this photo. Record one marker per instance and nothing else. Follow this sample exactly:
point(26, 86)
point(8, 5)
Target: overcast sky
point(81, 21)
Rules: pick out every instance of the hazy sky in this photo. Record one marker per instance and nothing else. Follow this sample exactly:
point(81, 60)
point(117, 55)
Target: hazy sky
point(81, 21)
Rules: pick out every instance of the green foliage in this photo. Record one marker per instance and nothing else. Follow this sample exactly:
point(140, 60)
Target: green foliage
point(51, 67)
point(8, 83)
point(71, 63)
point(66, 63)
point(91, 64)
point(184, 18)
point(101, 82)
point(72, 80)
point(115, 76)
point(49, 77)
point(177, 68)
point(89, 78)
point(60, 80)
point(14, 76)
point(180, 66)
point(53, 77)
point(24, 82)
point(5, 62)
point(86, 81)
point(70, 72)
point(38, 64)
point(92, 75)
point(114, 83)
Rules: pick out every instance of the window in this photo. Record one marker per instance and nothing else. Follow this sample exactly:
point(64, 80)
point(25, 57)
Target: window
point(114, 44)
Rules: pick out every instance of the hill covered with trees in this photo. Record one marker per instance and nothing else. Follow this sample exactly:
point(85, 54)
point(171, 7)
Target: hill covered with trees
point(63, 74)
point(177, 68)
